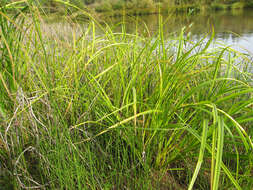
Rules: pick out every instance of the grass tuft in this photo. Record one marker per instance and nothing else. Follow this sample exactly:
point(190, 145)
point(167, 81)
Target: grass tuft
point(89, 108)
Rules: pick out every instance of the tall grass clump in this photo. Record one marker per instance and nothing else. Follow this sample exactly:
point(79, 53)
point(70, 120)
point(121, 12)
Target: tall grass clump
point(88, 108)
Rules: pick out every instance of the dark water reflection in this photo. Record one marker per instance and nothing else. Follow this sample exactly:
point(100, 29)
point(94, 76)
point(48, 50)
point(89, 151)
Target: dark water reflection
point(231, 27)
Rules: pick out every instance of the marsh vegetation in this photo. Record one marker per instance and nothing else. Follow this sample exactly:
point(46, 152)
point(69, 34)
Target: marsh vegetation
point(118, 110)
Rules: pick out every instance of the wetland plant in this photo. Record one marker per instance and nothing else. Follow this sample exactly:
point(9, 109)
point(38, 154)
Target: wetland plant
point(106, 110)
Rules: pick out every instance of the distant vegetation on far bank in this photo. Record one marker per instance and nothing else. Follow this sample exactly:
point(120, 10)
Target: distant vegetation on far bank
point(142, 7)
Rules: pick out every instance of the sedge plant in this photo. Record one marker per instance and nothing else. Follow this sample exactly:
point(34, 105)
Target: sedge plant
point(110, 110)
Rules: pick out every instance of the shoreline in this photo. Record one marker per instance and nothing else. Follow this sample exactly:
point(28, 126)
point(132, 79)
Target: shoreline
point(105, 10)
point(185, 9)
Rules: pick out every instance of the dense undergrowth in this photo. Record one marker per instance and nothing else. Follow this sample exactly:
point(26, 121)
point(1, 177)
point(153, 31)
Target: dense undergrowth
point(96, 109)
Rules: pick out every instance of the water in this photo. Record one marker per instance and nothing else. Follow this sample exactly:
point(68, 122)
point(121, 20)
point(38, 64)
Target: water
point(233, 28)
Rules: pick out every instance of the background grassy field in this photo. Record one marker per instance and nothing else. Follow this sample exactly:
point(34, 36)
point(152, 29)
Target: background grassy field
point(95, 109)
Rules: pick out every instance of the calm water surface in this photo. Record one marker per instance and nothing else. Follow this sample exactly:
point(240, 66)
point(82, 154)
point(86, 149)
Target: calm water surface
point(233, 28)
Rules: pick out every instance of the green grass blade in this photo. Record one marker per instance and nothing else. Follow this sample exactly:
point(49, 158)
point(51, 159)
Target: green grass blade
point(201, 154)
point(222, 165)
point(220, 144)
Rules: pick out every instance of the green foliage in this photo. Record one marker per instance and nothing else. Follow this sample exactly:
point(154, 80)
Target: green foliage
point(114, 5)
point(87, 2)
point(88, 108)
